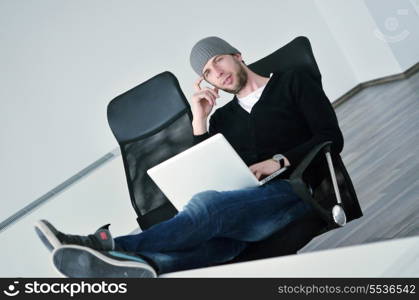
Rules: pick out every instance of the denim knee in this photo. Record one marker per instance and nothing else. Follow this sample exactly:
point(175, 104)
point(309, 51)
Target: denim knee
point(200, 205)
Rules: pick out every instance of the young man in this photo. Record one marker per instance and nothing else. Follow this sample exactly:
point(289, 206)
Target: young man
point(270, 122)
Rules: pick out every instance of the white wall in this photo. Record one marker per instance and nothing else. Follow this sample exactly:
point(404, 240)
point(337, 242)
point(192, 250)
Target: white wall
point(375, 37)
point(353, 28)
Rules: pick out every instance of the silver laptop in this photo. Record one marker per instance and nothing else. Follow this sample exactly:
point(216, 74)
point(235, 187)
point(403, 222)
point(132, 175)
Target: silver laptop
point(210, 165)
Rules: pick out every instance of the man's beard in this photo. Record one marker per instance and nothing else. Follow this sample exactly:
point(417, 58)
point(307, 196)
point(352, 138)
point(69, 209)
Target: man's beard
point(241, 81)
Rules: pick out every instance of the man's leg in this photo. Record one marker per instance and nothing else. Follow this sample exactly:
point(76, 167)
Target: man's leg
point(211, 252)
point(213, 227)
point(250, 214)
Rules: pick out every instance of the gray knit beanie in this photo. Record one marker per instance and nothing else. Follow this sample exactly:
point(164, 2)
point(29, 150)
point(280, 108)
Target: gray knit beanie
point(205, 49)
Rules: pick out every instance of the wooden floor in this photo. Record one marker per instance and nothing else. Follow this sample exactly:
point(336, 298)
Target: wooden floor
point(381, 152)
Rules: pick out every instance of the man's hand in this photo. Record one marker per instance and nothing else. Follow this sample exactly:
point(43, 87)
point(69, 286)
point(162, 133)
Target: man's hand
point(266, 168)
point(203, 100)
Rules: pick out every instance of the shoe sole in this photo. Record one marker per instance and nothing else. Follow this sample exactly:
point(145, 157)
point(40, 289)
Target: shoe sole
point(47, 236)
point(82, 262)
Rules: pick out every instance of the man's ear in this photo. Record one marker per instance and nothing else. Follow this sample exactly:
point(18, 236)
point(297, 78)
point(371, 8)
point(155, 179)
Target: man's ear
point(238, 56)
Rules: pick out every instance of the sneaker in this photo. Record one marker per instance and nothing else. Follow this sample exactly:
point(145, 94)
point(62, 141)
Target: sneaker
point(52, 238)
point(83, 262)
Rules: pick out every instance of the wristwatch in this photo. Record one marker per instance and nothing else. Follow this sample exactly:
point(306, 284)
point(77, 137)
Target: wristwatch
point(279, 158)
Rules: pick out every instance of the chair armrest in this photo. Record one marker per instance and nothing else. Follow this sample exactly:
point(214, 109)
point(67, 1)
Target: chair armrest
point(302, 189)
point(297, 173)
point(302, 166)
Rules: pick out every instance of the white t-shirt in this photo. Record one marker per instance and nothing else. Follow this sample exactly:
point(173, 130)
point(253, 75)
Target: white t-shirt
point(251, 99)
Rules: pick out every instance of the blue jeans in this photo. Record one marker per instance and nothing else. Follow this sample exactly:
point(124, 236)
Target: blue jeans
point(214, 227)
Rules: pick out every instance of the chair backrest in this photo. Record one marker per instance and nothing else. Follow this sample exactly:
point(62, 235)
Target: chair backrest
point(151, 122)
point(297, 53)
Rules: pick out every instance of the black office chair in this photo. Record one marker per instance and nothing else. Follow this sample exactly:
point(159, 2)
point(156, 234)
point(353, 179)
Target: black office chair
point(152, 122)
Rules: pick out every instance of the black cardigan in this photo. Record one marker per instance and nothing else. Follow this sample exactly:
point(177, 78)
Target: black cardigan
point(292, 116)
